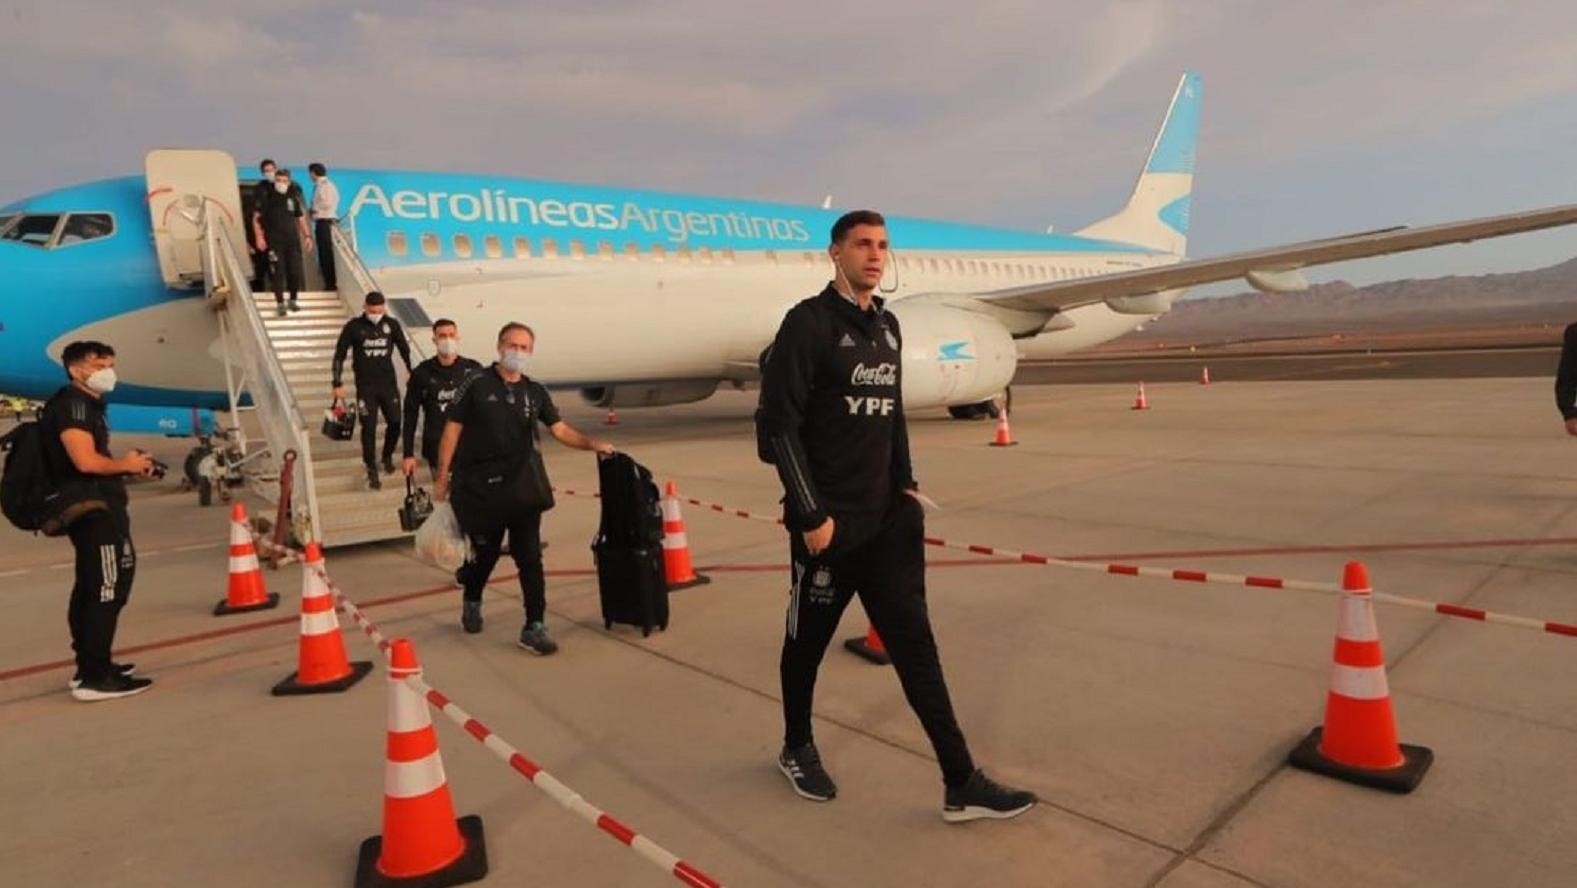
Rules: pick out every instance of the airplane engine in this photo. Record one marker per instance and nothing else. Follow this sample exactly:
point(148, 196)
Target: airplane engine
point(952, 356)
point(649, 394)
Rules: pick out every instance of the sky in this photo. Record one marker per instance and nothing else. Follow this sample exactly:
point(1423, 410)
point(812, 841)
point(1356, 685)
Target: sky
point(1318, 119)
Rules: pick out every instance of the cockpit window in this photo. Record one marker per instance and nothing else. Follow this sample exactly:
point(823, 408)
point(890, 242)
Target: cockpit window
point(85, 227)
point(36, 230)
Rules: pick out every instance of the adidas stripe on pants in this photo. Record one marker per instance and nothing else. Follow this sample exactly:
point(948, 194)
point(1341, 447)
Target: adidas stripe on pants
point(106, 565)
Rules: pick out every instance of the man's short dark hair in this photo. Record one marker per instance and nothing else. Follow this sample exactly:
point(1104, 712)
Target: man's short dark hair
point(84, 350)
point(266, 162)
point(374, 298)
point(283, 172)
point(317, 169)
point(444, 322)
point(852, 218)
point(513, 326)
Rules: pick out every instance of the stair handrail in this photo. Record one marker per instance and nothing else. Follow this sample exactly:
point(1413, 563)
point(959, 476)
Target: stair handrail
point(345, 251)
point(284, 425)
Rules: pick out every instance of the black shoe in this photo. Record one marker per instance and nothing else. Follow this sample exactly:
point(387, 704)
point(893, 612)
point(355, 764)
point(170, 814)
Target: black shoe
point(373, 480)
point(294, 305)
point(802, 767)
point(279, 307)
point(111, 688)
point(983, 797)
point(117, 668)
point(471, 616)
point(388, 465)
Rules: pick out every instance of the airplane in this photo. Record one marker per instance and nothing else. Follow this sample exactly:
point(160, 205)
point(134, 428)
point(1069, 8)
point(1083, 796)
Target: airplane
point(643, 298)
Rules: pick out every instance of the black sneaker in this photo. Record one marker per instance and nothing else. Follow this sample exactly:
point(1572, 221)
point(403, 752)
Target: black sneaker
point(388, 465)
point(294, 305)
point(802, 767)
point(373, 480)
point(471, 616)
point(111, 688)
point(117, 668)
point(983, 797)
point(534, 638)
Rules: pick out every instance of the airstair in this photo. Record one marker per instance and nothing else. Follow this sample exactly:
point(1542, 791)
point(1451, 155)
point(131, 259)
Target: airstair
point(278, 367)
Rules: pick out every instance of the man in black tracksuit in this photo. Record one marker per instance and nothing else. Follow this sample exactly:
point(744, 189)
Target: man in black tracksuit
point(432, 388)
point(371, 339)
point(489, 438)
point(832, 417)
point(279, 222)
point(91, 480)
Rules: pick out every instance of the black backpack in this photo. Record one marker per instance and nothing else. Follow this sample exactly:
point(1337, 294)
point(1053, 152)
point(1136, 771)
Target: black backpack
point(25, 490)
point(763, 445)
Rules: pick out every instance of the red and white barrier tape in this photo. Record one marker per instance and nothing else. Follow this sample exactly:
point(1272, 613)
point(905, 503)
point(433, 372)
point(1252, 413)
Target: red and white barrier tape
point(556, 790)
point(1198, 576)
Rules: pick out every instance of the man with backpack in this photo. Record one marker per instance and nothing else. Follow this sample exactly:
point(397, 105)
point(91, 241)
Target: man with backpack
point(62, 477)
point(500, 485)
point(832, 422)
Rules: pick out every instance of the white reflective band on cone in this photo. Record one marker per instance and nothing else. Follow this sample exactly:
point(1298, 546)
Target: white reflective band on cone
point(319, 623)
point(408, 780)
point(675, 541)
point(243, 563)
point(314, 588)
point(670, 509)
point(407, 709)
point(1360, 682)
point(1356, 620)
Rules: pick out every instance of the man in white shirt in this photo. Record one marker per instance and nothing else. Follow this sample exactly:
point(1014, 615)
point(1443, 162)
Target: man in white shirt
point(325, 212)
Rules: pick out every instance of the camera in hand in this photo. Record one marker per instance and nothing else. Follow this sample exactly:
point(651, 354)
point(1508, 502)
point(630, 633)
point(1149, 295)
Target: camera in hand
point(158, 470)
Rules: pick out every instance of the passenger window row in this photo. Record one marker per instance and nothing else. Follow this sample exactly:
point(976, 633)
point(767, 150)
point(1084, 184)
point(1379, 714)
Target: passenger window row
point(463, 246)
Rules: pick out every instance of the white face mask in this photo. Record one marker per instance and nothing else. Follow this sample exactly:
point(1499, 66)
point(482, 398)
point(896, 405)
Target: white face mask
point(375, 316)
point(281, 187)
point(514, 361)
point(448, 346)
point(101, 381)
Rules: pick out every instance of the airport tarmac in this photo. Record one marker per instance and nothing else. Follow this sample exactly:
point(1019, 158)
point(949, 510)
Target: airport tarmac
point(1153, 717)
point(1300, 366)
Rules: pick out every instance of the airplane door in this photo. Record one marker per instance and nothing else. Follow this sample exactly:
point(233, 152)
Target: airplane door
point(183, 186)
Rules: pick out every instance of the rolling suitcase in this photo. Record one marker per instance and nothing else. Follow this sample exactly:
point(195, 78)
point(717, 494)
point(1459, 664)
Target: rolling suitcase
point(631, 584)
point(628, 548)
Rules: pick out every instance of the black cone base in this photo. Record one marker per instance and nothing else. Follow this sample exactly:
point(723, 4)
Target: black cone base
point(470, 867)
point(1401, 779)
point(223, 608)
point(290, 687)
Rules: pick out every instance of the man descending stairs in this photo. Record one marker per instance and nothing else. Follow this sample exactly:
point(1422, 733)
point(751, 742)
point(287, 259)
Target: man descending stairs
point(303, 341)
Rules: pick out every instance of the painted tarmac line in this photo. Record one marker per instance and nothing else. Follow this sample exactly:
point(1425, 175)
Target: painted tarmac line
point(295, 619)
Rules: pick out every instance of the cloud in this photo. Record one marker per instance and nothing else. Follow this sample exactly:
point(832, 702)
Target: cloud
point(1317, 118)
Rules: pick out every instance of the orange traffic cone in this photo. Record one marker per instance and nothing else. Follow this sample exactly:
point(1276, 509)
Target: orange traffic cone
point(321, 666)
point(1204, 376)
point(613, 418)
point(422, 844)
point(1004, 436)
point(1358, 740)
point(1139, 403)
point(676, 545)
point(870, 647)
point(246, 592)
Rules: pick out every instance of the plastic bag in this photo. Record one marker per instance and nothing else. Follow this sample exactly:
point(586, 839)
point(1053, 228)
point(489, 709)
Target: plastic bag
point(439, 540)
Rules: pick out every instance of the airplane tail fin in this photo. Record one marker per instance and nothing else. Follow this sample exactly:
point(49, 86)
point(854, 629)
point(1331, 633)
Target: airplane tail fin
point(1157, 214)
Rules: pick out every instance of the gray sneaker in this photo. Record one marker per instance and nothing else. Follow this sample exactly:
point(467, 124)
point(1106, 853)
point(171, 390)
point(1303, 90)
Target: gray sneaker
point(535, 638)
point(471, 617)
